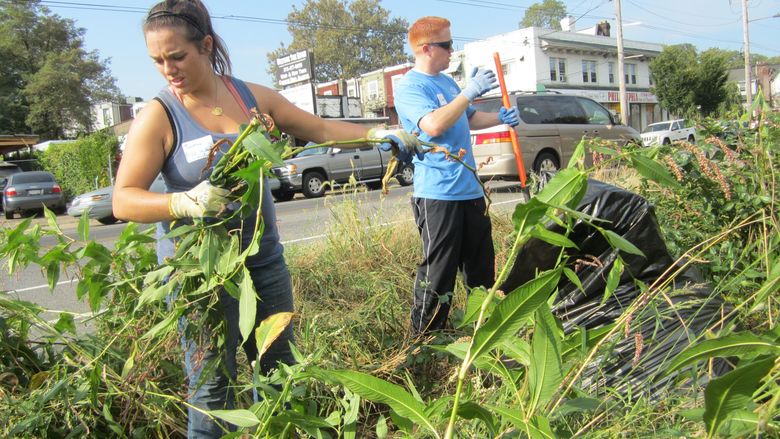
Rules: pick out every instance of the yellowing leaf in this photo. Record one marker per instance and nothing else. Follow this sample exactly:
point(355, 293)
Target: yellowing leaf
point(269, 330)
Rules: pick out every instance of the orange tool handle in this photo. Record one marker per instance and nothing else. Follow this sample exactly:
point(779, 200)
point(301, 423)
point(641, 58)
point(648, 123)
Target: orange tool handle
point(512, 133)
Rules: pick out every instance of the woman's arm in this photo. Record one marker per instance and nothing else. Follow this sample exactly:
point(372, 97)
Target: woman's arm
point(302, 124)
point(148, 141)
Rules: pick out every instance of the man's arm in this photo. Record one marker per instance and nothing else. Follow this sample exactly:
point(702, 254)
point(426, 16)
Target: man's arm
point(481, 120)
point(443, 118)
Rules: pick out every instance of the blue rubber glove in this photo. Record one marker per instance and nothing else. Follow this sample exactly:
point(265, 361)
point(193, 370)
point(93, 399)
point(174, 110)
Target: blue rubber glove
point(401, 142)
point(480, 81)
point(509, 116)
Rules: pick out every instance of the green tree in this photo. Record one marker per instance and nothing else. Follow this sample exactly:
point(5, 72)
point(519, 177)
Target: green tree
point(49, 81)
point(346, 38)
point(547, 14)
point(688, 83)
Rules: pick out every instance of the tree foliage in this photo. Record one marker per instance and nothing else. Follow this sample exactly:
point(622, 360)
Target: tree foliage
point(687, 82)
point(346, 38)
point(82, 165)
point(547, 14)
point(48, 81)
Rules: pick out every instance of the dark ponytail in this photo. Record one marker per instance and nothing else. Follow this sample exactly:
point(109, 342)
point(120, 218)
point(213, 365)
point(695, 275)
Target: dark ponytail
point(193, 17)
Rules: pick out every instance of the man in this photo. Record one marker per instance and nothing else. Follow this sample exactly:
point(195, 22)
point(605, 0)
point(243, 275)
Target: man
point(448, 201)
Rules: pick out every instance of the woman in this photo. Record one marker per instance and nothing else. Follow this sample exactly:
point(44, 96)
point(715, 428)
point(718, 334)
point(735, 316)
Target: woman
point(172, 136)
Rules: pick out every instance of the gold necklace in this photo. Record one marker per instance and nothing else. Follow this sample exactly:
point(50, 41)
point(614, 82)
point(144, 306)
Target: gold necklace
point(217, 110)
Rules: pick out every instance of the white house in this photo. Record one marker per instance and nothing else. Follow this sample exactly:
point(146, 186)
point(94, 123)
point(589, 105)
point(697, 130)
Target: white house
point(584, 64)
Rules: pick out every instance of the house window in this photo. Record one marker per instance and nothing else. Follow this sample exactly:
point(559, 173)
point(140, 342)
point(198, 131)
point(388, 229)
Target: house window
point(328, 93)
point(506, 69)
point(351, 91)
point(393, 82)
point(373, 89)
point(589, 71)
point(106, 117)
point(611, 70)
point(558, 69)
point(630, 73)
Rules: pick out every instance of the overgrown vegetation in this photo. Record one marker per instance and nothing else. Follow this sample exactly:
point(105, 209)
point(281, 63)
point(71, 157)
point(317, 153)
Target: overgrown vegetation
point(509, 371)
point(82, 165)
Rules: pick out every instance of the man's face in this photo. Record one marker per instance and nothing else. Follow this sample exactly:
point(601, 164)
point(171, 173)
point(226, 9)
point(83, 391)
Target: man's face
point(440, 49)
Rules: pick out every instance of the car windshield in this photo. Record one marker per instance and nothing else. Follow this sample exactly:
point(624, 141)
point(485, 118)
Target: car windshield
point(657, 127)
point(32, 177)
point(313, 151)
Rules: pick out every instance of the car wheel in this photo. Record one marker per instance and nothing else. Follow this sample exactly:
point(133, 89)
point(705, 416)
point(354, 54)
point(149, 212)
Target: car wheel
point(546, 161)
point(406, 175)
point(667, 141)
point(108, 220)
point(283, 195)
point(691, 139)
point(8, 214)
point(313, 184)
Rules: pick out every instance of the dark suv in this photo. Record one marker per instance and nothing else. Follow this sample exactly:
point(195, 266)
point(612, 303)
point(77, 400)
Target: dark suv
point(551, 126)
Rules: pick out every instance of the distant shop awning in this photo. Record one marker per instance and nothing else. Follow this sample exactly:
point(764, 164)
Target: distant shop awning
point(16, 142)
point(454, 66)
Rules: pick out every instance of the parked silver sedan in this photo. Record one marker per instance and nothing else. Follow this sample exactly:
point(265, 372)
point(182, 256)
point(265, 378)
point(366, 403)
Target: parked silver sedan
point(32, 190)
point(98, 202)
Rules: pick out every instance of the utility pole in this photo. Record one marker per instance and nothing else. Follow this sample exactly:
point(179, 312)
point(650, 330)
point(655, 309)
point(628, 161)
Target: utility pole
point(748, 81)
point(621, 68)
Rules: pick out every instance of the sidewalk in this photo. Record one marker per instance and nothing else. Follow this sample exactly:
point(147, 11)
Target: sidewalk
point(66, 222)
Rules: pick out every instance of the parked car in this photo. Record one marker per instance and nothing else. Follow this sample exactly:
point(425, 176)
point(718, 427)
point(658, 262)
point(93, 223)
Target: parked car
point(312, 170)
point(7, 169)
point(25, 191)
point(551, 126)
point(664, 133)
point(97, 203)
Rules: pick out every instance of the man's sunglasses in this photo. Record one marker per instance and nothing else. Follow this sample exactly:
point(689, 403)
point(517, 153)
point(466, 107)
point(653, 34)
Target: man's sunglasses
point(446, 45)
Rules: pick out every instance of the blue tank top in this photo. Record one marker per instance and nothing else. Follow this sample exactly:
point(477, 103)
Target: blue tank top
point(184, 169)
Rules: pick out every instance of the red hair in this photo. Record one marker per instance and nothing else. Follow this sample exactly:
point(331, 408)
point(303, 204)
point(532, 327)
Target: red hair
point(423, 29)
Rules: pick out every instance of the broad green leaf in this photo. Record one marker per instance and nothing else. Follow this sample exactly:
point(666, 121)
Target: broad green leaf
point(485, 363)
point(740, 423)
point(241, 418)
point(209, 252)
point(551, 237)
point(65, 323)
point(130, 362)
point(300, 420)
point(96, 251)
point(473, 306)
point(513, 415)
point(381, 427)
point(573, 278)
point(51, 219)
point(566, 186)
point(159, 275)
point(155, 293)
point(260, 147)
point(540, 428)
point(52, 274)
point(546, 371)
point(247, 305)
point(378, 390)
point(517, 349)
point(579, 405)
point(732, 392)
point(730, 345)
point(470, 410)
point(613, 278)
point(653, 170)
point(527, 215)
point(269, 330)
point(511, 313)
point(164, 326)
point(770, 286)
point(621, 243)
point(578, 155)
point(83, 227)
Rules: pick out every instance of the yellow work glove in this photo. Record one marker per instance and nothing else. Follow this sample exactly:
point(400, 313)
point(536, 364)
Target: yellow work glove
point(203, 200)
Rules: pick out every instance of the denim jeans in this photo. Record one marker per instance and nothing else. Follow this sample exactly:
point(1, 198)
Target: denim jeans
point(274, 287)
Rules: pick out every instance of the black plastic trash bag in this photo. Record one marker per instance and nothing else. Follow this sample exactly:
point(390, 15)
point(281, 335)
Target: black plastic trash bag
point(661, 329)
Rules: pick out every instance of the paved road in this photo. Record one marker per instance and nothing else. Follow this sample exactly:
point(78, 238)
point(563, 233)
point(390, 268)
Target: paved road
point(300, 221)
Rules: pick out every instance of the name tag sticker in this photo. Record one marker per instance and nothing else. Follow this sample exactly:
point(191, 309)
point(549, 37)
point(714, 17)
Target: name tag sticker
point(197, 149)
point(442, 100)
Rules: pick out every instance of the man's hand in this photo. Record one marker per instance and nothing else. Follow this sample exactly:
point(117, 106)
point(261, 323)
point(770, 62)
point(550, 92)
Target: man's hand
point(399, 140)
point(204, 200)
point(480, 81)
point(509, 116)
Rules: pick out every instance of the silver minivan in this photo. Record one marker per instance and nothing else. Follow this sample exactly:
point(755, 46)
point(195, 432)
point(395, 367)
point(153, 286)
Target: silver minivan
point(551, 126)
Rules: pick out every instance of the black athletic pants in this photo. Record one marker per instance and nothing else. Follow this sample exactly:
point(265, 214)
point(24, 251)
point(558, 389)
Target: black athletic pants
point(456, 235)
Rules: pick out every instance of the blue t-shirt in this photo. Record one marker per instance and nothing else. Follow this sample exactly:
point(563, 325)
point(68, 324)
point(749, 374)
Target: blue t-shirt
point(435, 177)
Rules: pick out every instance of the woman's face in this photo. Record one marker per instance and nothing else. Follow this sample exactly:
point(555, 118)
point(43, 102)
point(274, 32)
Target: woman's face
point(182, 63)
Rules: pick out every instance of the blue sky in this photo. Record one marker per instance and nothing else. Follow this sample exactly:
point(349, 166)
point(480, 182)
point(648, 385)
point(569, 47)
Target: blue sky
point(116, 33)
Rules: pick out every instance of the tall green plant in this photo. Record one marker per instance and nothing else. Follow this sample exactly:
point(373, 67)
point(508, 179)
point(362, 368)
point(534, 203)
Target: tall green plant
point(82, 165)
